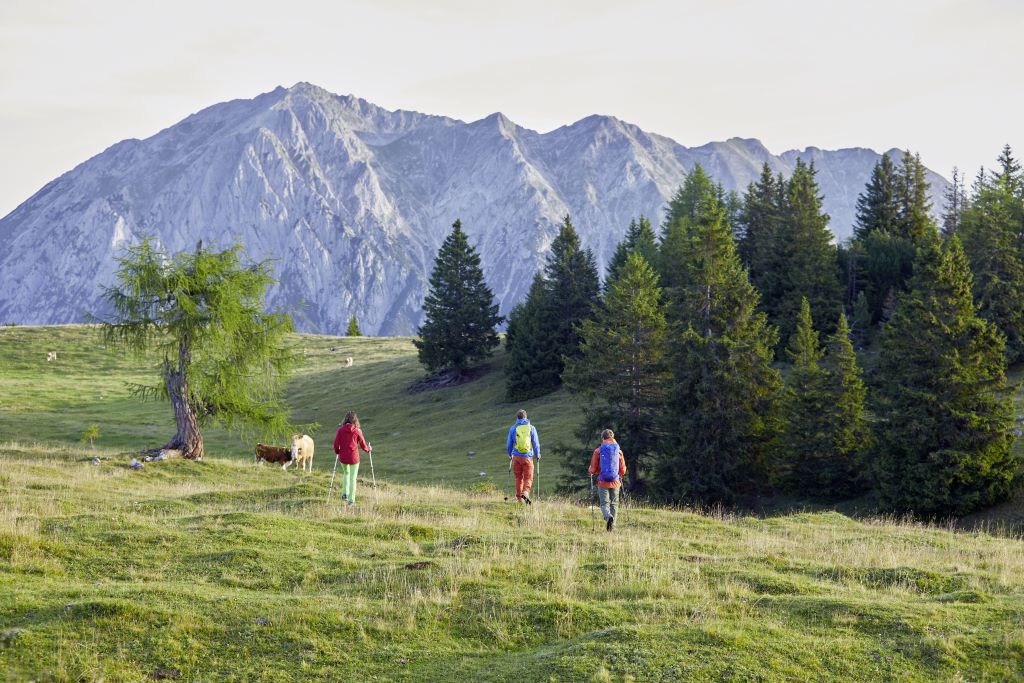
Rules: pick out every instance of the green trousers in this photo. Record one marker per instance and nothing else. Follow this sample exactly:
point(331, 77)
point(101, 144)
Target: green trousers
point(348, 479)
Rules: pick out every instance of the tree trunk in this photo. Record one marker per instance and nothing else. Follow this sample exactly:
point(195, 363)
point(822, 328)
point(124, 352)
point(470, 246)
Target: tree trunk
point(188, 440)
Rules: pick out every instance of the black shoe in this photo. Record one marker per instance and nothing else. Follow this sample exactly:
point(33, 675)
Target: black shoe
point(526, 499)
point(610, 524)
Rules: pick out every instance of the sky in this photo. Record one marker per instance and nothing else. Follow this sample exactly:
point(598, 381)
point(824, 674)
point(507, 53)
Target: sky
point(944, 78)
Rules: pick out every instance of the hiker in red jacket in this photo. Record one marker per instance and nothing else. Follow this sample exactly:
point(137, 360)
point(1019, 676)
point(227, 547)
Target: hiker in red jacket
point(347, 443)
point(609, 464)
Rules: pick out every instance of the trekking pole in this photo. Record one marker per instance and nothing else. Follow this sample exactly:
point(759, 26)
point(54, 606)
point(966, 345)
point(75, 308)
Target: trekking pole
point(333, 472)
point(372, 475)
point(538, 477)
point(593, 519)
point(511, 484)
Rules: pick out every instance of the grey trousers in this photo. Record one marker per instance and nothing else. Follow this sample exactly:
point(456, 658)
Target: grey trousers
point(609, 500)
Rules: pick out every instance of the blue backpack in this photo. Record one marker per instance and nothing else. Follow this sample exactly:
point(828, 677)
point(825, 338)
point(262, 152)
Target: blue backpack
point(609, 462)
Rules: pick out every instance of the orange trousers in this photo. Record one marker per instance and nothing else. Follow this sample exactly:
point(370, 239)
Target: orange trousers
point(522, 469)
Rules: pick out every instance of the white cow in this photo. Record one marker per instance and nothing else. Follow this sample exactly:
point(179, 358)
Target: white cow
point(348, 362)
point(302, 450)
point(51, 356)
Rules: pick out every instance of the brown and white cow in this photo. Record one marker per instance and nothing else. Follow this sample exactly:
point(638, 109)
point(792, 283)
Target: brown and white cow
point(275, 454)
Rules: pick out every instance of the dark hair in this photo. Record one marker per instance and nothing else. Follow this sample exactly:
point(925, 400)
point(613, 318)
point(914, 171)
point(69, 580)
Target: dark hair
point(351, 419)
point(521, 415)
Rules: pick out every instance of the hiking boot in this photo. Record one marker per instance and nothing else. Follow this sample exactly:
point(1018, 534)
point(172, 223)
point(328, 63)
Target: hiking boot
point(610, 524)
point(344, 496)
point(526, 499)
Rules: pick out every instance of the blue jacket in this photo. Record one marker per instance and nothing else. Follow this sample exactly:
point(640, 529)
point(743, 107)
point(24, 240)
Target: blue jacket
point(510, 446)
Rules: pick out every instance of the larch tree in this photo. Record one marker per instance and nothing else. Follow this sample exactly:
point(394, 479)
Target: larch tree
point(224, 358)
point(353, 328)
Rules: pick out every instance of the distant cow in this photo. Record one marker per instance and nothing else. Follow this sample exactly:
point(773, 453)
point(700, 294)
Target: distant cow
point(348, 362)
point(274, 454)
point(302, 450)
point(52, 356)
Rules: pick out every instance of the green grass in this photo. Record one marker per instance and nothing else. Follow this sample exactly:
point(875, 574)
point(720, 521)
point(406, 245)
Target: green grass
point(227, 571)
point(420, 437)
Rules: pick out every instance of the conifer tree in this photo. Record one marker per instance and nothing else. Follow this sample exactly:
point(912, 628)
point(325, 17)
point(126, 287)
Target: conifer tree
point(839, 473)
point(685, 203)
point(878, 206)
point(621, 373)
point(353, 328)
point(639, 239)
point(915, 223)
point(460, 313)
point(808, 257)
point(224, 357)
point(680, 214)
point(523, 343)
point(570, 290)
point(721, 414)
point(992, 231)
point(955, 200)
point(861, 320)
point(944, 431)
point(893, 219)
point(803, 439)
point(760, 220)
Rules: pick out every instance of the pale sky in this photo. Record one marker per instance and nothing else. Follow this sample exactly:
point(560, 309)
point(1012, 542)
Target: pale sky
point(941, 77)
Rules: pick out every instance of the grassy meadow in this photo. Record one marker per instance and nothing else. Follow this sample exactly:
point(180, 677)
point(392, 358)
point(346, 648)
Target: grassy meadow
point(226, 571)
point(418, 437)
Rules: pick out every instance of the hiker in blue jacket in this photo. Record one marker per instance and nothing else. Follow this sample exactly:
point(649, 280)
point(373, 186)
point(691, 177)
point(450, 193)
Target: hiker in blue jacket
point(523, 446)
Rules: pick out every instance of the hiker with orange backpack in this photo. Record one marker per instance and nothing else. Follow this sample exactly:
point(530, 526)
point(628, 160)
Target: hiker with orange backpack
point(609, 464)
point(523, 446)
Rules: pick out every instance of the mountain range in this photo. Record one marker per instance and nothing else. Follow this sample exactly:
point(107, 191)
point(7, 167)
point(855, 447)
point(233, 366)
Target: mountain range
point(351, 201)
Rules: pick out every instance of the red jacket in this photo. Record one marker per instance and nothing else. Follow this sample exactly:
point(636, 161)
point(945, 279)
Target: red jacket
point(347, 443)
point(595, 466)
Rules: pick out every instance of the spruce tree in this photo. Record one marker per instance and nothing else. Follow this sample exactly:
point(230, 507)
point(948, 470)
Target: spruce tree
point(839, 473)
point(862, 323)
point(682, 211)
point(944, 422)
point(571, 290)
point(807, 256)
point(760, 220)
point(914, 223)
point(803, 439)
point(955, 200)
point(720, 419)
point(893, 219)
point(621, 374)
point(546, 329)
point(639, 239)
point(460, 313)
point(992, 231)
point(353, 328)
point(878, 206)
point(523, 343)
